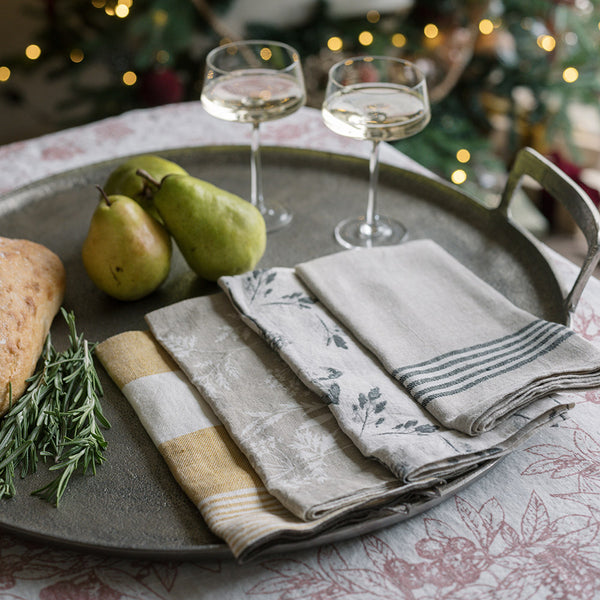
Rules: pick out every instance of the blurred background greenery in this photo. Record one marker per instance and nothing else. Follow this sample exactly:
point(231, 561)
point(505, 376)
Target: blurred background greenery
point(502, 73)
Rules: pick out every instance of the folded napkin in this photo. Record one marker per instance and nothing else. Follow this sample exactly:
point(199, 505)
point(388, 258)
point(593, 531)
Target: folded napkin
point(206, 463)
point(289, 436)
point(461, 349)
point(373, 409)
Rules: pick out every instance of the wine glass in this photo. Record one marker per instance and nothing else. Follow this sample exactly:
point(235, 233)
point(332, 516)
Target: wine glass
point(374, 98)
point(251, 82)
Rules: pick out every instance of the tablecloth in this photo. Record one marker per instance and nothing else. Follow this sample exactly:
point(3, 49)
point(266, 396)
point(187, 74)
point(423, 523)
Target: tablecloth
point(527, 529)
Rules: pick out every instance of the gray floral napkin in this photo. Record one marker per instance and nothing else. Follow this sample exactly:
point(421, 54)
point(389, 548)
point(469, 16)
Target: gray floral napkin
point(288, 435)
point(462, 350)
point(372, 408)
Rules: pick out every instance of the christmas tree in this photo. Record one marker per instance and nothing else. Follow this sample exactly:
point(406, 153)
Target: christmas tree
point(502, 74)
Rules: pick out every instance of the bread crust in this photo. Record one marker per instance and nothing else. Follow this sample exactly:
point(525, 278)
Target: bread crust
point(32, 286)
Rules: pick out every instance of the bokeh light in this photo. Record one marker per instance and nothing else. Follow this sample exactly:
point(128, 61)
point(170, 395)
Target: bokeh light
point(431, 31)
point(129, 78)
point(459, 176)
point(486, 26)
point(398, 40)
point(335, 43)
point(76, 55)
point(570, 74)
point(546, 42)
point(463, 155)
point(365, 38)
point(121, 10)
point(373, 16)
point(33, 51)
point(163, 57)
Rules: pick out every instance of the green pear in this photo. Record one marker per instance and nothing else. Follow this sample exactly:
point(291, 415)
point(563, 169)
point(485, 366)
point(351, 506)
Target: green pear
point(126, 253)
point(217, 232)
point(124, 179)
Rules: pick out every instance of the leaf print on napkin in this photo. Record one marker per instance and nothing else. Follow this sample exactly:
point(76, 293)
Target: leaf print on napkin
point(334, 335)
point(298, 299)
point(256, 281)
point(332, 395)
point(331, 374)
point(367, 409)
point(412, 426)
point(257, 287)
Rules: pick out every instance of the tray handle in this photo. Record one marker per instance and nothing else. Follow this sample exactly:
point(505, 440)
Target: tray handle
point(561, 187)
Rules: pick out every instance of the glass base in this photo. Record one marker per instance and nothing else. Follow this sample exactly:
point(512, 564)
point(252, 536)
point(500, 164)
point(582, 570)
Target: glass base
point(276, 217)
point(355, 233)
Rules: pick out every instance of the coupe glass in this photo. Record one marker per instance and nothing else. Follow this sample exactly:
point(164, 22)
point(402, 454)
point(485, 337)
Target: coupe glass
point(251, 82)
point(374, 98)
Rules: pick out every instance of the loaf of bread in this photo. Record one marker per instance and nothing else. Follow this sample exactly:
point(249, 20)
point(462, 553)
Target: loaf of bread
point(32, 286)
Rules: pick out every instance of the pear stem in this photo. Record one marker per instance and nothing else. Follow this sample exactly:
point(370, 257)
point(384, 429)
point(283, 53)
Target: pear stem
point(148, 177)
point(104, 196)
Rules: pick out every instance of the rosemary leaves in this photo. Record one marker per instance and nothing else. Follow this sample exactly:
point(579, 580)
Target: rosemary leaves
point(58, 418)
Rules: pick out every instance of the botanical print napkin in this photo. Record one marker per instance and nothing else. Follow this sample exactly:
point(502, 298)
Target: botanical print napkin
point(206, 463)
point(462, 350)
point(375, 411)
point(289, 436)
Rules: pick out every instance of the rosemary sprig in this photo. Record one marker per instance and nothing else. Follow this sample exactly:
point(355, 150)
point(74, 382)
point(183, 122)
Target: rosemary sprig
point(58, 418)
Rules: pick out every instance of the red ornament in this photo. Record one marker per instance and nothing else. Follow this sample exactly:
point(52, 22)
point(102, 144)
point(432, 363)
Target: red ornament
point(161, 86)
point(574, 172)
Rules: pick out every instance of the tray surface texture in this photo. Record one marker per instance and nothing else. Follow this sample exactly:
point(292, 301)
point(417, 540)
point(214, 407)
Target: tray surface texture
point(133, 506)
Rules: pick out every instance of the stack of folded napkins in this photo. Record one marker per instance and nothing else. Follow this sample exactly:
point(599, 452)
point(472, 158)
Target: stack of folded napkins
point(301, 399)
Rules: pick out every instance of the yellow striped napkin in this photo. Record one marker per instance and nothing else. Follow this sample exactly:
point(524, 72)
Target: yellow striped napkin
point(204, 460)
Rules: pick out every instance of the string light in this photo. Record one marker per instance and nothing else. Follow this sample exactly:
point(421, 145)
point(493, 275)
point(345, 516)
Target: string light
point(163, 57)
point(160, 17)
point(459, 176)
point(4, 74)
point(373, 16)
point(463, 155)
point(33, 51)
point(98, 3)
point(76, 55)
point(129, 78)
point(486, 26)
point(110, 11)
point(546, 42)
point(570, 74)
point(335, 43)
point(398, 40)
point(431, 31)
point(365, 38)
point(121, 10)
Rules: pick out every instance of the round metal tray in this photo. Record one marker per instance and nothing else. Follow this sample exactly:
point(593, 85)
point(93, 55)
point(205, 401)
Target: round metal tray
point(133, 506)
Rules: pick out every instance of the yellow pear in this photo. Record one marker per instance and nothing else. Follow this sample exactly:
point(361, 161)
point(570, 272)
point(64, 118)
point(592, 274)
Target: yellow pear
point(127, 253)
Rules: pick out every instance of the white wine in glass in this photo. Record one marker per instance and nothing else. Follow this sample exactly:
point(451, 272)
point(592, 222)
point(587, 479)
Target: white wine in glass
point(252, 82)
point(374, 98)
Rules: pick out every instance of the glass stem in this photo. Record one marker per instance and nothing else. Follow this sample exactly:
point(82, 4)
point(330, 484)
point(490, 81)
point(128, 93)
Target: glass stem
point(371, 216)
point(256, 170)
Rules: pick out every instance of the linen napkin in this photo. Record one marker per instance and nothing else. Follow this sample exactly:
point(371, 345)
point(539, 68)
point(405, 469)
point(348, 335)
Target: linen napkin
point(371, 407)
point(206, 463)
point(288, 435)
point(461, 349)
